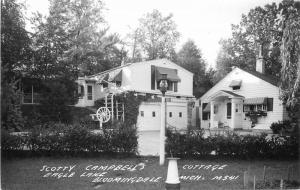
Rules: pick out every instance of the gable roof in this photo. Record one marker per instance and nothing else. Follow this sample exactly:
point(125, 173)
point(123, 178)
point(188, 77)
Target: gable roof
point(232, 93)
point(142, 62)
point(268, 78)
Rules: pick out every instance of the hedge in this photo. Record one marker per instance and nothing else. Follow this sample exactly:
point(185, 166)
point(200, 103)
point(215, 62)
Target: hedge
point(193, 144)
point(61, 139)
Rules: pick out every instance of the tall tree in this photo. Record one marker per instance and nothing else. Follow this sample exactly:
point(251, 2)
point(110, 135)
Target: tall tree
point(224, 61)
point(15, 56)
point(290, 54)
point(15, 41)
point(156, 35)
point(74, 39)
point(190, 58)
point(258, 27)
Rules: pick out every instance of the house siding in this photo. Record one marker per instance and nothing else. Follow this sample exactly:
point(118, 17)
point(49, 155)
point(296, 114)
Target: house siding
point(140, 77)
point(150, 123)
point(137, 77)
point(251, 87)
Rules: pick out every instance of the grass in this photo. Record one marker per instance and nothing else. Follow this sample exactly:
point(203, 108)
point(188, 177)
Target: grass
point(24, 173)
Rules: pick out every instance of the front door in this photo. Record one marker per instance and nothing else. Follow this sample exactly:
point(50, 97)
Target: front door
point(229, 110)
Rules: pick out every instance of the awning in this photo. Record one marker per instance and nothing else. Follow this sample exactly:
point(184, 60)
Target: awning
point(235, 83)
point(207, 108)
point(255, 101)
point(103, 79)
point(117, 77)
point(171, 74)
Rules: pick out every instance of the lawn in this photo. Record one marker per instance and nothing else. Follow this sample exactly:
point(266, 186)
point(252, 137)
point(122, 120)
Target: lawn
point(29, 173)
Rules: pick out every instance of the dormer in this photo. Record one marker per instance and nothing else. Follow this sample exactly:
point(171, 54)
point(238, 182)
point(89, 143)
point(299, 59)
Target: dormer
point(172, 76)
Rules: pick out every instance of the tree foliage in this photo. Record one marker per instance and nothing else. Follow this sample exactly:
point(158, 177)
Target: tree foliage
point(15, 41)
point(276, 28)
point(74, 40)
point(290, 54)
point(190, 58)
point(15, 55)
point(258, 27)
point(156, 36)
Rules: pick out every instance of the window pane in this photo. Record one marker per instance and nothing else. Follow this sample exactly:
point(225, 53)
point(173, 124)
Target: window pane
point(153, 114)
point(90, 92)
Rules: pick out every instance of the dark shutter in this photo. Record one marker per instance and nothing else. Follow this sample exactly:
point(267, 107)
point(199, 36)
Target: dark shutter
point(228, 110)
point(152, 77)
point(175, 86)
point(270, 104)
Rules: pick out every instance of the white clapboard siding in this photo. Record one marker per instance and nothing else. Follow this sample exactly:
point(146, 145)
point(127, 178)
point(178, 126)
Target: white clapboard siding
point(138, 76)
point(252, 87)
point(148, 122)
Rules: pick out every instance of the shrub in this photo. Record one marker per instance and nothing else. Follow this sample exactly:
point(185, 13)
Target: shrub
point(282, 127)
point(232, 145)
point(57, 94)
point(62, 139)
point(11, 114)
point(11, 142)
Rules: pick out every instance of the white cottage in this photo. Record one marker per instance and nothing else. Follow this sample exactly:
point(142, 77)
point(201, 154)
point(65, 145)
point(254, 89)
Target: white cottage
point(142, 78)
point(243, 100)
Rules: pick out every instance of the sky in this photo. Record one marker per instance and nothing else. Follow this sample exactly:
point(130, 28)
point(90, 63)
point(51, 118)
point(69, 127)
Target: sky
point(204, 21)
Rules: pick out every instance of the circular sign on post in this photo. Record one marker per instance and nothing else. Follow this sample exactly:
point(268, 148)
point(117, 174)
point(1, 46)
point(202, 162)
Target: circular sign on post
point(103, 115)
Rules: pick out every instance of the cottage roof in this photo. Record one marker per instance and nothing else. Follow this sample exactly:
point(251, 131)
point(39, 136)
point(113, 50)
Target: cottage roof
point(268, 78)
point(128, 64)
point(232, 94)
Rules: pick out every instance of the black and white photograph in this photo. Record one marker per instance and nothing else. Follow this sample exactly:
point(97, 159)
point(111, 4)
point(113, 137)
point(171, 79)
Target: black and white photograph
point(150, 94)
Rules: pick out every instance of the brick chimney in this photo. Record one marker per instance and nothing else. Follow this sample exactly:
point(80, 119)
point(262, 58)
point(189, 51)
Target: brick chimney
point(260, 64)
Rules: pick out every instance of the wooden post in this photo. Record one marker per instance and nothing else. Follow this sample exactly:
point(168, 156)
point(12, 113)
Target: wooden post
point(288, 173)
point(264, 175)
point(162, 131)
point(117, 110)
point(112, 107)
point(123, 111)
point(253, 182)
point(246, 181)
point(32, 94)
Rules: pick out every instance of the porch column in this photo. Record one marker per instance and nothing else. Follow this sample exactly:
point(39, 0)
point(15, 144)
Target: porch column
point(212, 114)
point(233, 113)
